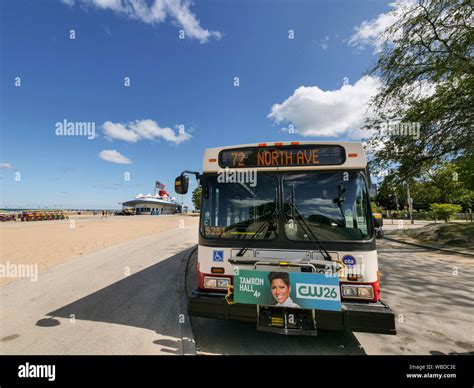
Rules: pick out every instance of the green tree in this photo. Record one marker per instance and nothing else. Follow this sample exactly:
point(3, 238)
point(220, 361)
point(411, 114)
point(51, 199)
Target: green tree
point(443, 183)
point(196, 197)
point(445, 210)
point(427, 68)
point(465, 169)
point(375, 208)
point(424, 193)
point(447, 181)
point(391, 194)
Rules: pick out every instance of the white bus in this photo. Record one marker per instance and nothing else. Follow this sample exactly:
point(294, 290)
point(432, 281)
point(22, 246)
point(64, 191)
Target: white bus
point(287, 207)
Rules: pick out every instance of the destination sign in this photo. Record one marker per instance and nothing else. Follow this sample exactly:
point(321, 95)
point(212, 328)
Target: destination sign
point(283, 156)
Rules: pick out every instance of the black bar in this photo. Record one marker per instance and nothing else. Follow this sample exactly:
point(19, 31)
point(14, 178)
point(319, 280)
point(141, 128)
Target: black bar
point(350, 371)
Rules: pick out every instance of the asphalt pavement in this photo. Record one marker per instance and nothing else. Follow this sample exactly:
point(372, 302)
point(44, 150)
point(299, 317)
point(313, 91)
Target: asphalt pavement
point(120, 300)
point(430, 292)
point(130, 299)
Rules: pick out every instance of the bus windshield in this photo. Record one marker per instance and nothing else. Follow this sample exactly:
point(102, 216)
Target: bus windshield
point(240, 210)
point(334, 205)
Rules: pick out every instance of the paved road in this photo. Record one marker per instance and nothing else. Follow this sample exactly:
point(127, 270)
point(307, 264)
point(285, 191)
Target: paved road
point(120, 300)
point(432, 295)
point(434, 307)
point(124, 300)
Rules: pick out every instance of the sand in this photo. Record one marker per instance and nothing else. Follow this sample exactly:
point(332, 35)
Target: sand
point(48, 243)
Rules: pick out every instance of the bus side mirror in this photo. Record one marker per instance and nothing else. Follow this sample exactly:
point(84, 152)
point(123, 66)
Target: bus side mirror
point(181, 184)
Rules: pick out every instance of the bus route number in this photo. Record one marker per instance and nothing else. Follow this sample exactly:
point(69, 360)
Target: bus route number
point(239, 158)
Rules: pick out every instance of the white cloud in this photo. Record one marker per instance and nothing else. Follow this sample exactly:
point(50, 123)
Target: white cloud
point(331, 113)
point(317, 201)
point(143, 130)
point(119, 132)
point(6, 166)
point(372, 32)
point(371, 147)
point(243, 203)
point(114, 156)
point(324, 42)
point(178, 10)
point(68, 2)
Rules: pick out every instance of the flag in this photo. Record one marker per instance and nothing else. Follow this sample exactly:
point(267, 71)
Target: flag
point(159, 185)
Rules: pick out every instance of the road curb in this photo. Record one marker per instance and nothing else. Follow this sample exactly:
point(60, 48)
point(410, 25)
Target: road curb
point(187, 335)
point(428, 246)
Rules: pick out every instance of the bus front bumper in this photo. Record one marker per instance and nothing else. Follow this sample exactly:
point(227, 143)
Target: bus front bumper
point(354, 317)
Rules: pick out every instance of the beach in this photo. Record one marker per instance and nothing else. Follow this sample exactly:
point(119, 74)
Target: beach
point(49, 243)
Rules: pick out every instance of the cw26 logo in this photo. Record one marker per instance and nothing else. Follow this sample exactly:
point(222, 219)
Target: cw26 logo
point(313, 291)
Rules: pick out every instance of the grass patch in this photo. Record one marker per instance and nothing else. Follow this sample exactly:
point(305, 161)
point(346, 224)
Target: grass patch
point(455, 234)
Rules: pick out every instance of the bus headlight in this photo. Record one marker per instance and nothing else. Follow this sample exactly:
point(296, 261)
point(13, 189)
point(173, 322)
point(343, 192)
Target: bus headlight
point(348, 291)
point(211, 282)
point(357, 291)
point(366, 292)
point(223, 283)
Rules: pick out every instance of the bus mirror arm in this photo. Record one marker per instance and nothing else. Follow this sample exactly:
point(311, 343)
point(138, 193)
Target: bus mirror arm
point(195, 173)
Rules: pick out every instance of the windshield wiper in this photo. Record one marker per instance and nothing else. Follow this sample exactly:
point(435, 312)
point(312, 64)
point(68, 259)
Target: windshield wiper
point(273, 215)
point(314, 239)
point(339, 200)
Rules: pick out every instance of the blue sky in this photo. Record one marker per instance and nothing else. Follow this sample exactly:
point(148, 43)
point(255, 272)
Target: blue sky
point(188, 82)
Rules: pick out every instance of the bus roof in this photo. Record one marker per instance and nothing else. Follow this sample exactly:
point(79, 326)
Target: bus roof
point(354, 155)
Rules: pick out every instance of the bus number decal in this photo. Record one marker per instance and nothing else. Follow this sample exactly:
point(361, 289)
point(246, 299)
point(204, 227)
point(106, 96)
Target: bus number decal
point(214, 230)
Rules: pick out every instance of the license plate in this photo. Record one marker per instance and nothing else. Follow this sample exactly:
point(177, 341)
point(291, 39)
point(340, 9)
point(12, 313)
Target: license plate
point(286, 318)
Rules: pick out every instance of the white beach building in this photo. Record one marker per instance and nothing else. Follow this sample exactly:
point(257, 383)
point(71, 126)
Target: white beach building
point(155, 204)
